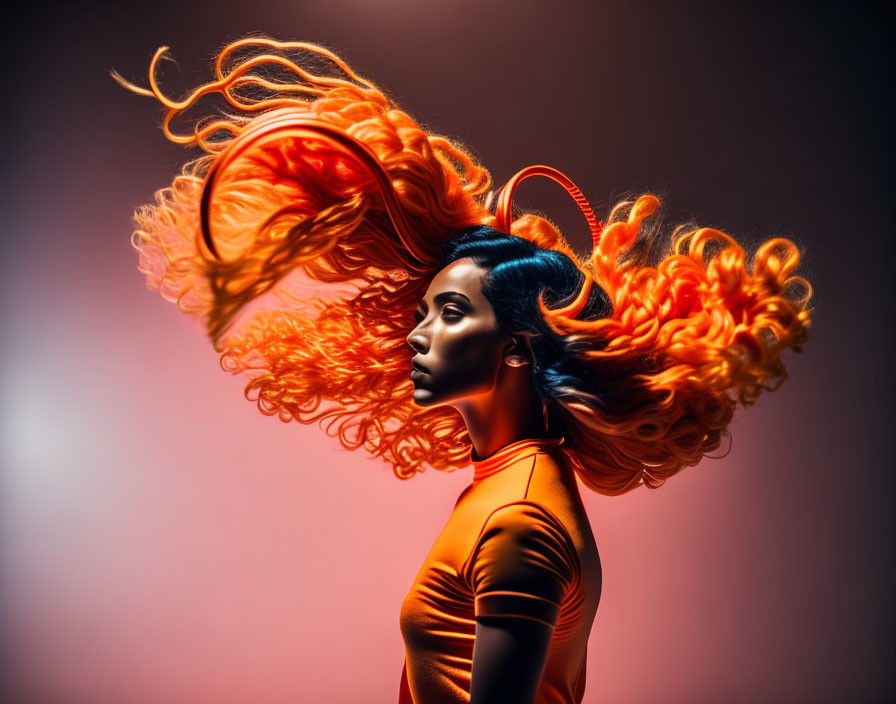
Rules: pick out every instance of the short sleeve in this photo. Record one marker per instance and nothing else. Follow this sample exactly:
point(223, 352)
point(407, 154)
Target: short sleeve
point(522, 565)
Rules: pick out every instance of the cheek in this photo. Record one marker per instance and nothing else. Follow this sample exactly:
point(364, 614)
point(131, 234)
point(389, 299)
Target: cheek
point(468, 360)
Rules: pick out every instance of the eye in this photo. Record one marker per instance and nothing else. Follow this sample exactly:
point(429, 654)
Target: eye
point(452, 313)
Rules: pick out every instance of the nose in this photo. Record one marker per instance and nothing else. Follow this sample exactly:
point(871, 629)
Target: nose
point(417, 340)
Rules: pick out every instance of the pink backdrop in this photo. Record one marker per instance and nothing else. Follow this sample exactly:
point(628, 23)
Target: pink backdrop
point(165, 543)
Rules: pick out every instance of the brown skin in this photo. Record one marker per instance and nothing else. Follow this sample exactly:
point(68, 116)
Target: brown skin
point(470, 365)
point(486, 376)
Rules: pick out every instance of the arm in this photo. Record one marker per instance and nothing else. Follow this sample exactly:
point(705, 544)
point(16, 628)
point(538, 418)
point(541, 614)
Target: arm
point(508, 659)
point(521, 569)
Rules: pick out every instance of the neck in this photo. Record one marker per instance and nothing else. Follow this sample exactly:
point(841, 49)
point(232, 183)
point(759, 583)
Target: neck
point(509, 412)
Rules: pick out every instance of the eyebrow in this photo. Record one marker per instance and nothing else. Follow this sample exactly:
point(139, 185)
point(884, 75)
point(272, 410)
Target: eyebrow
point(447, 295)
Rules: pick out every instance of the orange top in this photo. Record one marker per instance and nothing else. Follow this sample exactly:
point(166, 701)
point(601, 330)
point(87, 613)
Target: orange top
point(517, 545)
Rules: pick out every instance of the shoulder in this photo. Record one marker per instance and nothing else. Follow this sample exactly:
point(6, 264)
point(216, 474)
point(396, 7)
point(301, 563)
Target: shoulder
point(525, 524)
point(521, 517)
point(521, 541)
point(523, 563)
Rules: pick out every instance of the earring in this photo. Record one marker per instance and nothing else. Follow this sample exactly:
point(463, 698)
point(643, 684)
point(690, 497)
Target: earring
point(517, 360)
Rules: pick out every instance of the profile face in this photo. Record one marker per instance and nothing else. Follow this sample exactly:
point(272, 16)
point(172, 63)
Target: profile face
point(457, 343)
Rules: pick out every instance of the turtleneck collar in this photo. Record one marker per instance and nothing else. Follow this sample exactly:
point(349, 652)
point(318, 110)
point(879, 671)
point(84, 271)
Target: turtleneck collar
point(509, 454)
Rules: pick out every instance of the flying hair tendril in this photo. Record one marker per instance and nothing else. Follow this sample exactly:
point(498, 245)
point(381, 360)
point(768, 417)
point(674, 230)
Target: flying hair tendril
point(314, 173)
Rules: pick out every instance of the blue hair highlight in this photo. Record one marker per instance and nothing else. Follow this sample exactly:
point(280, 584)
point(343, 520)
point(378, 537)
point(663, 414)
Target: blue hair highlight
point(517, 272)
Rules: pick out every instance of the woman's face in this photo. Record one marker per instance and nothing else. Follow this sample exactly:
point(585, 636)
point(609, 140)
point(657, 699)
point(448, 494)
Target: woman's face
point(459, 349)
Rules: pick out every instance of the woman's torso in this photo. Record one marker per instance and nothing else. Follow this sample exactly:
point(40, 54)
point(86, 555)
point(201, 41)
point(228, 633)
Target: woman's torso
point(529, 478)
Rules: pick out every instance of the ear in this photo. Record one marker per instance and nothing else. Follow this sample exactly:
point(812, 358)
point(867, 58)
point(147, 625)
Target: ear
point(517, 354)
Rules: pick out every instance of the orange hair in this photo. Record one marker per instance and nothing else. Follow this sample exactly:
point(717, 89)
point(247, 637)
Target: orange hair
point(687, 338)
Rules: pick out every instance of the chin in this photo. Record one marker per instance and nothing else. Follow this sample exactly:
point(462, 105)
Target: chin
point(426, 398)
point(422, 397)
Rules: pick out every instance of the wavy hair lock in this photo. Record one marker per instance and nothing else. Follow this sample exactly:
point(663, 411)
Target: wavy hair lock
point(642, 365)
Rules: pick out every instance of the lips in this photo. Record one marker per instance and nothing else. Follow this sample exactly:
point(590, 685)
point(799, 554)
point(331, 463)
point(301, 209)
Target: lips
point(419, 367)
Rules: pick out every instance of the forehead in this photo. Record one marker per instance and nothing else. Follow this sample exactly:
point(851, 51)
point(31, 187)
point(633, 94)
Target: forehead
point(463, 276)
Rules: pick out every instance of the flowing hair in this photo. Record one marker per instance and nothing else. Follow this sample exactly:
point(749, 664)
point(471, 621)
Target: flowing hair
point(641, 364)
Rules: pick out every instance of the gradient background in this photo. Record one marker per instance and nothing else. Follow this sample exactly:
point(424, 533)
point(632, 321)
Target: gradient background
point(165, 543)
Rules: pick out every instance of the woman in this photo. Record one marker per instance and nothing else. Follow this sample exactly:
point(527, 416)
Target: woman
point(446, 334)
point(515, 573)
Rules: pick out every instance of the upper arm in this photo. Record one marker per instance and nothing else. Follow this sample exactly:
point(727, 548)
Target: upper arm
point(508, 659)
point(521, 568)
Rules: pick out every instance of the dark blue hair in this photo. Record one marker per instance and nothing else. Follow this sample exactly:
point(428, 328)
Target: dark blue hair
point(518, 271)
